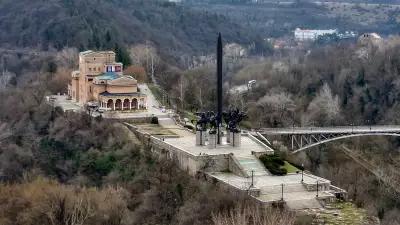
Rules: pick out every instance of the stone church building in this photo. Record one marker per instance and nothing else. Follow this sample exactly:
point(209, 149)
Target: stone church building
point(100, 80)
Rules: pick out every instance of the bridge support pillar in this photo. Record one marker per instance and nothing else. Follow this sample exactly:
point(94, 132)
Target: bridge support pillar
point(292, 137)
point(301, 141)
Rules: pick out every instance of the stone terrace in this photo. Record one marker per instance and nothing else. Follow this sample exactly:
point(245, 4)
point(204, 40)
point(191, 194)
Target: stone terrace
point(266, 188)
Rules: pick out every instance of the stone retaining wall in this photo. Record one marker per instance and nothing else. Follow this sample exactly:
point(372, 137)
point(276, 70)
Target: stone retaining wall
point(186, 160)
point(235, 167)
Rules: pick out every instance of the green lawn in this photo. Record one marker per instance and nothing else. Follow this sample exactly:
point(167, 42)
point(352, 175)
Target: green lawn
point(156, 130)
point(156, 92)
point(290, 168)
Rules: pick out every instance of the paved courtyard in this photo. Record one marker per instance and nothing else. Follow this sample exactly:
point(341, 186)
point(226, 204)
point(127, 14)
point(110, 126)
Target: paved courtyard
point(63, 102)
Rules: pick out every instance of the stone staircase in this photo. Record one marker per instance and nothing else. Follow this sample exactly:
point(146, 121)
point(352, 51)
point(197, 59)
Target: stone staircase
point(252, 163)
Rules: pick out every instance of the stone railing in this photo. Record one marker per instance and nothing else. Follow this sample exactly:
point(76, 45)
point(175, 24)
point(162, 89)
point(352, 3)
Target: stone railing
point(268, 150)
point(339, 192)
point(235, 167)
point(323, 184)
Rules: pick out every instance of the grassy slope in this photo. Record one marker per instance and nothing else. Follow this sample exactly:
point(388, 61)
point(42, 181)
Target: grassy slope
point(276, 20)
point(290, 168)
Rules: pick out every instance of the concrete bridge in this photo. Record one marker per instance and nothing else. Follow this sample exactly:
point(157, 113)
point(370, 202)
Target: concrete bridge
point(303, 138)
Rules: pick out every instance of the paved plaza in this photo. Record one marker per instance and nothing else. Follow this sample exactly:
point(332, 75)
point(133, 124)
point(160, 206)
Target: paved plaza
point(63, 102)
point(247, 146)
point(268, 180)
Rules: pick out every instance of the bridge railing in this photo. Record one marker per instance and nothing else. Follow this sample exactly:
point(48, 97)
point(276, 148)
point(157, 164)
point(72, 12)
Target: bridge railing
point(337, 129)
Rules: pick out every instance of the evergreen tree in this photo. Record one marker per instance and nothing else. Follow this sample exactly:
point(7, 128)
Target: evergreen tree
point(122, 55)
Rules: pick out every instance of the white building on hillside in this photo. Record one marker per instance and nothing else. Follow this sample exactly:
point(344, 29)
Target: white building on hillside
point(311, 35)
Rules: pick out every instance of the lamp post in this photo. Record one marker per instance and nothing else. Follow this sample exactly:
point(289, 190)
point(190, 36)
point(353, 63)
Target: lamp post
point(252, 178)
point(317, 188)
point(293, 120)
point(282, 192)
point(369, 124)
point(302, 172)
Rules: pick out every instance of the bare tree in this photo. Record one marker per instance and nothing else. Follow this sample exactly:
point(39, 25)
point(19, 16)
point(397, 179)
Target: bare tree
point(254, 215)
point(277, 106)
point(5, 132)
point(5, 78)
point(68, 57)
point(324, 109)
point(146, 56)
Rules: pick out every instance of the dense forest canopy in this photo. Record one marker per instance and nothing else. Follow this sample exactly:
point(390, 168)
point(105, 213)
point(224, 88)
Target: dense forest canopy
point(101, 24)
point(280, 18)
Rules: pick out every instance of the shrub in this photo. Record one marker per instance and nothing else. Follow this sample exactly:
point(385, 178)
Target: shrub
point(188, 126)
point(274, 164)
point(44, 201)
point(154, 120)
point(104, 164)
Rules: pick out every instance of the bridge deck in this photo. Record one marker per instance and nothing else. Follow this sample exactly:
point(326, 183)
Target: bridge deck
point(331, 130)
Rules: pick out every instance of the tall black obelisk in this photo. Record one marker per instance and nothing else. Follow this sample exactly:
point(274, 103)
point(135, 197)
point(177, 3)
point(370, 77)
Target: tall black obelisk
point(219, 87)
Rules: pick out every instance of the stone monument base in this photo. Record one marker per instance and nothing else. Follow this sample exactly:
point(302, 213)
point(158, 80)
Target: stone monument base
point(201, 137)
point(212, 140)
point(235, 138)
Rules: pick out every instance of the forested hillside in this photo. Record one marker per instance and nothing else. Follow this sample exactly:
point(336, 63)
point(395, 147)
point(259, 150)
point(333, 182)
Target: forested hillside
point(58, 166)
point(277, 19)
point(102, 24)
point(338, 85)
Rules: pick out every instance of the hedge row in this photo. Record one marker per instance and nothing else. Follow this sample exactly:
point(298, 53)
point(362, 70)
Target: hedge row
point(274, 164)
